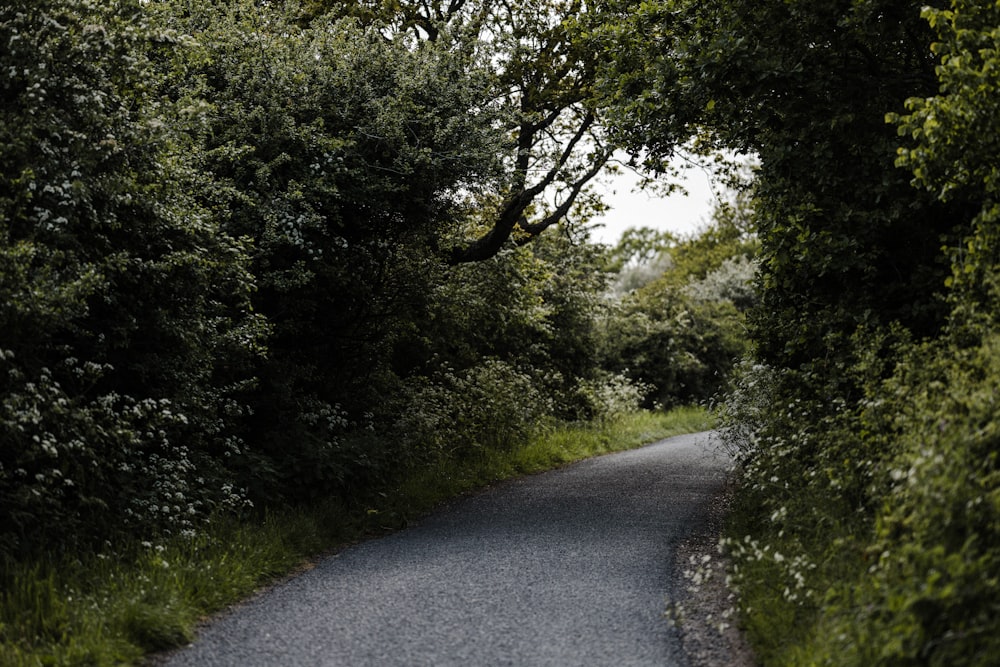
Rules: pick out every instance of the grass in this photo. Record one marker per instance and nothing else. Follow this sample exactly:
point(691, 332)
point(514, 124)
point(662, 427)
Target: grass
point(550, 449)
point(112, 610)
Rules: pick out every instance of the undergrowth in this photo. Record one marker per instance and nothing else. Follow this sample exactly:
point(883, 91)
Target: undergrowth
point(868, 534)
point(116, 607)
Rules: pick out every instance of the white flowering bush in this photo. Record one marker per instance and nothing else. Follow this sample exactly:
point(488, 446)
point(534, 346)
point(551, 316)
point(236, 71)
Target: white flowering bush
point(127, 332)
point(733, 281)
point(746, 408)
point(805, 499)
point(74, 464)
point(492, 405)
point(610, 396)
point(631, 278)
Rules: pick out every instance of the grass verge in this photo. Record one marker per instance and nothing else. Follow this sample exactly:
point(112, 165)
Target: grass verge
point(112, 610)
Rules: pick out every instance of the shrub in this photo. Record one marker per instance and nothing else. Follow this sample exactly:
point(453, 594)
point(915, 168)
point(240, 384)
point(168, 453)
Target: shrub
point(127, 324)
point(732, 281)
point(492, 405)
point(610, 396)
point(929, 594)
point(681, 348)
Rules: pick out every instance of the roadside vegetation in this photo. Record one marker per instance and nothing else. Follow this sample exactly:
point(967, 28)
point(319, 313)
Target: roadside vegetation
point(865, 421)
point(108, 609)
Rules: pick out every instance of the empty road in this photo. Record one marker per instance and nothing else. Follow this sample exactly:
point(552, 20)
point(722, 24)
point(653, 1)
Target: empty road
point(570, 567)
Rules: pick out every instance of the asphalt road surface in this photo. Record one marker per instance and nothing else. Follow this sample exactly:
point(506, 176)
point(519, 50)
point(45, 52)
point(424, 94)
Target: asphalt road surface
point(570, 567)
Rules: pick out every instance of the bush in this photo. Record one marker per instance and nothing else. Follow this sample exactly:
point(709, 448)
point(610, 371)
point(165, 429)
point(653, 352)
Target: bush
point(683, 349)
point(77, 465)
point(339, 154)
point(609, 397)
point(803, 515)
point(732, 281)
point(867, 530)
point(491, 406)
point(128, 331)
point(929, 595)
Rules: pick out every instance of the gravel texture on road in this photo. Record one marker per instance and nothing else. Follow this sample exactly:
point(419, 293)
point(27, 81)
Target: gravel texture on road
point(570, 567)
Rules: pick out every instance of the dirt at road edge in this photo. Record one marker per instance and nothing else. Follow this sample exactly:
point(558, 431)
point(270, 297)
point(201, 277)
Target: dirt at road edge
point(705, 614)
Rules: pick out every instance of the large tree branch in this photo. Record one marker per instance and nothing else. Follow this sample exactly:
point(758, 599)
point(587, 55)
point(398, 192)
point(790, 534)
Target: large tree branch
point(512, 213)
point(567, 152)
point(560, 212)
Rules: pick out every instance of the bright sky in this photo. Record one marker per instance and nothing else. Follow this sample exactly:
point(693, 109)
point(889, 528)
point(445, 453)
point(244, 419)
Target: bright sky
point(679, 213)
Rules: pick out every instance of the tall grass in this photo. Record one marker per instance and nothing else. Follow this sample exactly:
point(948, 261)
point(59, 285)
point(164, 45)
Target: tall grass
point(100, 609)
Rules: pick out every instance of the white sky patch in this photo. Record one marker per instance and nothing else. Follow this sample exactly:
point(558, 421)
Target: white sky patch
point(679, 213)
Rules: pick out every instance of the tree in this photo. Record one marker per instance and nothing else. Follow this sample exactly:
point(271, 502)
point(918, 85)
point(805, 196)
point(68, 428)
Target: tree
point(951, 144)
point(845, 243)
point(343, 157)
point(640, 245)
point(868, 435)
point(681, 331)
point(542, 72)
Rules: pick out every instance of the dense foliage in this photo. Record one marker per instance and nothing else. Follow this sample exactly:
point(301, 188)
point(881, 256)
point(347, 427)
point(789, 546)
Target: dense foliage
point(865, 421)
point(236, 244)
point(680, 321)
point(128, 329)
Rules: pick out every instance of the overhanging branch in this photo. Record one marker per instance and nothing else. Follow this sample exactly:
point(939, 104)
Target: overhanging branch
point(512, 214)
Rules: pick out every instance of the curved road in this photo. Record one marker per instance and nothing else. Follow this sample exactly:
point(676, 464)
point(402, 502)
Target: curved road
point(570, 567)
